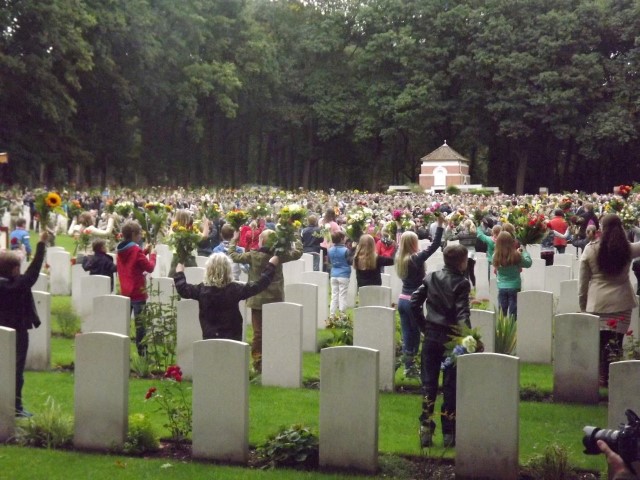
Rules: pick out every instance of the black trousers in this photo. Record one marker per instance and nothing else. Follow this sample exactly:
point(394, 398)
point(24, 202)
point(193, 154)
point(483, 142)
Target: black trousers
point(22, 345)
point(433, 354)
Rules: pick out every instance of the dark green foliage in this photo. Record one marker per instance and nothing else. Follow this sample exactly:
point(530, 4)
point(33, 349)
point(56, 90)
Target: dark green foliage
point(295, 446)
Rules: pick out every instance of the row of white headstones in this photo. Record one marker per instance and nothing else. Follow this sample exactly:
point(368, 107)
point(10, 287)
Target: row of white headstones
point(571, 340)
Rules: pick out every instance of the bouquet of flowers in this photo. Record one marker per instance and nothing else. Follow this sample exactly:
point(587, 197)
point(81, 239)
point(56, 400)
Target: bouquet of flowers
point(157, 207)
point(464, 340)
point(260, 210)
point(392, 229)
point(153, 220)
point(289, 224)
point(82, 241)
point(614, 205)
point(46, 203)
point(109, 206)
point(456, 217)
point(124, 209)
point(236, 218)
point(629, 215)
point(184, 240)
point(211, 211)
point(624, 190)
point(357, 221)
point(74, 208)
point(532, 230)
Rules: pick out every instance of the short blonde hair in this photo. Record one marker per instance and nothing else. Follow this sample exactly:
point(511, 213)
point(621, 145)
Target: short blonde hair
point(218, 271)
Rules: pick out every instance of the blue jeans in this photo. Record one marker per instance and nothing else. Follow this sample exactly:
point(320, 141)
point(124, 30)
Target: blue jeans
point(410, 332)
point(137, 306)
point(508, 300)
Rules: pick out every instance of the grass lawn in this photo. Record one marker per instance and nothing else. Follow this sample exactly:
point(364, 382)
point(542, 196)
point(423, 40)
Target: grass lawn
point(541, 423)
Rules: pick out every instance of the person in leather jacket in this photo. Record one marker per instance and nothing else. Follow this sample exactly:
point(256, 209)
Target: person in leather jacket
point(446, 294)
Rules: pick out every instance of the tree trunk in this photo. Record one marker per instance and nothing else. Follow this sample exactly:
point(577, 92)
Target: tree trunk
point(521, 174)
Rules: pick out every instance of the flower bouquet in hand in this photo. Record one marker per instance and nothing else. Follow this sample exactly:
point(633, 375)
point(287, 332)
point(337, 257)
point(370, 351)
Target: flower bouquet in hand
point(357, 221)
point(464, 340)
point(210, 210)
point(184, 240)
point(74, 208)
point(287, 230)
point(615, 205)
point(47, 203)
point(82, 241)
point(236, 218)
point(260, 210)
point(153, 220)
point(532, 230)
point(124, 209)
point(172, 400)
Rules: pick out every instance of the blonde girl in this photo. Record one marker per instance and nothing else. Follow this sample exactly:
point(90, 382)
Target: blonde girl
point(368, 263)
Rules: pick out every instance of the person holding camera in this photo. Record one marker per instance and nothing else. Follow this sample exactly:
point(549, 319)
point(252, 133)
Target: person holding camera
point(618, 469)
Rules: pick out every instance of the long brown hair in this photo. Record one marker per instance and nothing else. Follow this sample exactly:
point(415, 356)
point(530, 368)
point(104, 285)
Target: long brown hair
point(505, 253)
point(614, 252)
point(365, 257)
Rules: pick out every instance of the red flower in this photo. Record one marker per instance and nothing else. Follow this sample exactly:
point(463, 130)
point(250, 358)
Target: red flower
point(612, 323)
point(73, 261)
point(630, 333)
point(14, 241)
point(174, 372)
point(150, 393)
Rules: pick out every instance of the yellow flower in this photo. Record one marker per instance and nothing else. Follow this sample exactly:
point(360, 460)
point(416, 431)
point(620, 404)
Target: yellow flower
point(182, 228)
point(53, 200)
point(297, 224)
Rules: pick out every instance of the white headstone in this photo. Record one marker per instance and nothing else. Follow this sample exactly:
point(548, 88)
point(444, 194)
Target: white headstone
point(533, 277)
point(374, 296)
point(60, 272)
point(307, 258)
point(305, 294)
point(487, 383)
point(282, 345)
point(535, 326)
point(352, 290)
point(624, 385)
point(386, 281)
point(396, 282)
point(77, 275)
point(493, 293)
point(534, 250)
point(576, 348)
point(375, 327)
point(485, 322)
point(42, 285)
point(292, 271)
point(221, 379)
point(163, 262)
point(554, 274)
point(201, 260)
point(91, 287)
point(101, 393)
point(111, 313)
point(482, 278)
point(161, 290)
point(7, 383)
point(188, 332)
point(568, 299)
point(349, 408)
point(194, 275)
point(564, 259)
point(39, 352)
point(321, 280)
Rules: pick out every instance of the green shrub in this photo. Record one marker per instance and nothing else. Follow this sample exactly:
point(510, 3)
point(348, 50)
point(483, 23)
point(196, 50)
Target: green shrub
point(67, 320)
point(160, 324)
point(341, 328)
point(141, 436)
point(453, 190)
point(552, 464)
point(293, 446)
point(481, 191)
point(140, 366)
point(506, 329)
point(50, 428)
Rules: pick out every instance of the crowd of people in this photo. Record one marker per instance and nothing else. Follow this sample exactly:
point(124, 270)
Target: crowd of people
point(604, 227)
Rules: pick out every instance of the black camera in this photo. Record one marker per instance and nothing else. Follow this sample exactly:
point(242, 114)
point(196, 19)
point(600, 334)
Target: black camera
point(625, 441)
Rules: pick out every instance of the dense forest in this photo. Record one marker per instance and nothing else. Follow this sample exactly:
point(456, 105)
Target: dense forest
point(319, 94)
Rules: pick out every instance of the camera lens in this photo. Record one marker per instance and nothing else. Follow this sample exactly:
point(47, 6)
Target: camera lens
point(593, 434)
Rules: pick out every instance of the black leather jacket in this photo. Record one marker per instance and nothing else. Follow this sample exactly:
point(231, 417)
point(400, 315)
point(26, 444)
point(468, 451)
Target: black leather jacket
point(446, 293)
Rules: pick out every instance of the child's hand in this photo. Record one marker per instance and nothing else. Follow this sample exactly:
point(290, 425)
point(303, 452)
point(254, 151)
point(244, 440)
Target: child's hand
point(179, 268)
point(274, 260)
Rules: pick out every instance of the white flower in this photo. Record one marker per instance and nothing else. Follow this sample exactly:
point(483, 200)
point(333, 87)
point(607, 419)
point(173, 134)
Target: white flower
point(469, 343)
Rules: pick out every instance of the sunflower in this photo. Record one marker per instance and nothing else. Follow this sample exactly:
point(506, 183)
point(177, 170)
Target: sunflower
point(53, 200)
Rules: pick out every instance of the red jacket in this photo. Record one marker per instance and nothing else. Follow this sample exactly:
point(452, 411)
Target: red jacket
point(132, 264)
point(559, 225)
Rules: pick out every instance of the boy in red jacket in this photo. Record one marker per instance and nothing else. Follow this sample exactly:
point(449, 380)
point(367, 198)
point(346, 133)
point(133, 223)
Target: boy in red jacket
point(132, 265)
